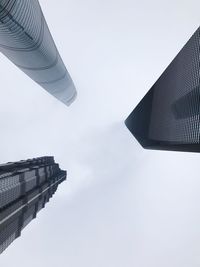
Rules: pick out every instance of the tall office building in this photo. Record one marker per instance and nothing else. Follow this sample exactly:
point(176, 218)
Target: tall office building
point(168, 117)
point(25, 188)
point(26, 40)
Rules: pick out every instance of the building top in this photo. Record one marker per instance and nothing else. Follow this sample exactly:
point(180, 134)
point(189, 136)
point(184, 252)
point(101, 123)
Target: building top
point(24, 194)
point(26, 40)
point(167, 118)
point(19, 178)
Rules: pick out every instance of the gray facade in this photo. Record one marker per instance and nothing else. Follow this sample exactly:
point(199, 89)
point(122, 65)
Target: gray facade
point(168, 117)
point(26, 40)
point(25, 188)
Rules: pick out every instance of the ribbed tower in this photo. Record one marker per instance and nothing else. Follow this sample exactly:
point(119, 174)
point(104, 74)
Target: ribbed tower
point(26, 40)
point(25, 187)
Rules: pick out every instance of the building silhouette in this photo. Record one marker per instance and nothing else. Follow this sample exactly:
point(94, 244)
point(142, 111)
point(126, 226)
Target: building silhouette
point(168, 117)
point(26, 40)
point(25, 188)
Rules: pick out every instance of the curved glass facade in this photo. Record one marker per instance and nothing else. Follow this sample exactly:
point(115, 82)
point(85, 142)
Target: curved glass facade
point(26, 40)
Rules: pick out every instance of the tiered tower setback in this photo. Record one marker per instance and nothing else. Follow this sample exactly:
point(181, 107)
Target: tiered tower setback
point(25, 188)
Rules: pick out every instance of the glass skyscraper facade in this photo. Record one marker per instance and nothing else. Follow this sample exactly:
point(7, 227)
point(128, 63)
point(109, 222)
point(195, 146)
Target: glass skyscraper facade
point(168, 117)
point(26, 40)
point(25, 188)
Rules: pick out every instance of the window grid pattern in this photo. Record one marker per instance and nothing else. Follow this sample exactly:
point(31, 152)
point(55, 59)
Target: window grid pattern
point(168, 117)
point(15, 216)
point(26, 40)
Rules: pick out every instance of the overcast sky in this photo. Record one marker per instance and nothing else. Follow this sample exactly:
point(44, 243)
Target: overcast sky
point(122, 205)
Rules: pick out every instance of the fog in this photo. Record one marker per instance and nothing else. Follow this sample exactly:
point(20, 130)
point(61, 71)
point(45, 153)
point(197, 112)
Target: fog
point(121, 205)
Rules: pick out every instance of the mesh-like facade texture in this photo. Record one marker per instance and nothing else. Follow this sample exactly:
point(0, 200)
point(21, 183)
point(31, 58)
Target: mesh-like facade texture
point(26, 40)
point(168, 117)
point(30, 184)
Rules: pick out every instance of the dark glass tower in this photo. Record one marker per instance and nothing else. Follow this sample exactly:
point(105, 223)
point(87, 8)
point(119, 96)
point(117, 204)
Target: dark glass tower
point(26, 40)
point(25, 188)
point(168, 117)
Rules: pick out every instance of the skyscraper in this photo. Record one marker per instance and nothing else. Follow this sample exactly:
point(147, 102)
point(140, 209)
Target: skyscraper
point(168, 117)
point(26, 40)
point(25, 187)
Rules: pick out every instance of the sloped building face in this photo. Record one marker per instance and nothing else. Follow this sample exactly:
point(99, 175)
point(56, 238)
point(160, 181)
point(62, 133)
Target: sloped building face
point(25, 188)
point(26, 40)
point(168, 117)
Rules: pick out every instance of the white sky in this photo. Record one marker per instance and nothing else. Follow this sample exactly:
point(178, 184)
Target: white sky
point(122, 205)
